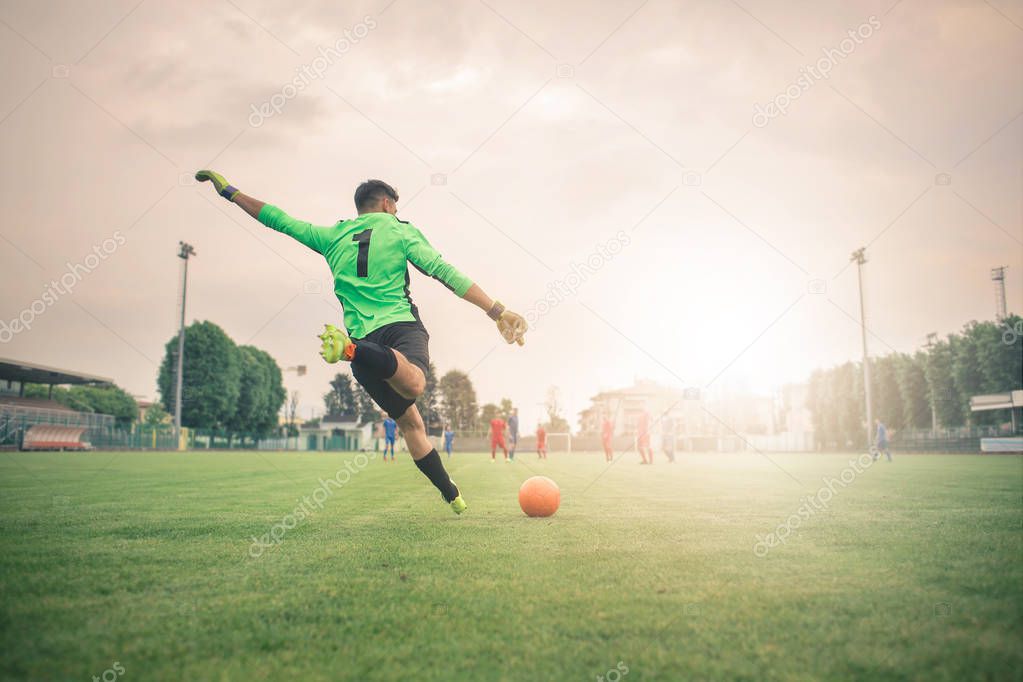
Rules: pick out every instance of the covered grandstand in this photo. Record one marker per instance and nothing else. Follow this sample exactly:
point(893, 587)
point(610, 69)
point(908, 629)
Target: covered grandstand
point(43, 423)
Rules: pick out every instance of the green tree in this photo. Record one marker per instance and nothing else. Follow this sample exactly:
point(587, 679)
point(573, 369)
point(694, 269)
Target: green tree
point(341, 398)
point(942, 386)
point(364, 406)
point(427, 403)
point(266, 420)
point(913, 394)
point(505, 408)
point(966, 370)
point(212, 376)
point(885, 391)
point(1000, 354)
point(253, 392)
point(156, 415)
point(487, 413)
point(458, 399)
point(98, 399)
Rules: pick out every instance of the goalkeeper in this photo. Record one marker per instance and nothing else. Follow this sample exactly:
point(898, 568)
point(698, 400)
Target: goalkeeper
point(385, 341)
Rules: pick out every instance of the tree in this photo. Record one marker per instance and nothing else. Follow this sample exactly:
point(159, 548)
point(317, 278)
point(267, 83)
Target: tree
point(941, 385)
point(505, 408)
point(1000, 354)
point(916, 407)
point(253, 392)
point(487, 413)
point(365, 408)
point(156, 415)
point(341, 398)
point(99, 399)
point(458, 399)
point(556, 423)
point(886, 394)
point(212, 376)
point(427, 402)
point(266, 419)
point(291, 413)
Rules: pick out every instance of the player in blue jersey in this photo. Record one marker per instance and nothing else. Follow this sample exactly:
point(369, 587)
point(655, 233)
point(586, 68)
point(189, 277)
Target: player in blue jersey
point(513, 432)
point(390, 432)
point(449, 439)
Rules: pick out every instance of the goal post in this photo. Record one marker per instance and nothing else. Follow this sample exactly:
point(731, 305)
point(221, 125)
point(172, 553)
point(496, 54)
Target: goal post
point(559, 442)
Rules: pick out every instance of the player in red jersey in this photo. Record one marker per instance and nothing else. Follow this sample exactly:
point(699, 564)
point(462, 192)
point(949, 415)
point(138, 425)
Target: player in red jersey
point(541, 442)
point(643, 438)
point(607, 432)
point(497, 438)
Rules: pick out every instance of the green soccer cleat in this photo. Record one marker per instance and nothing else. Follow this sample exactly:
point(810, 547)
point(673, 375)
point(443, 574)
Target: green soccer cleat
point(336, 345)
point(458, 505)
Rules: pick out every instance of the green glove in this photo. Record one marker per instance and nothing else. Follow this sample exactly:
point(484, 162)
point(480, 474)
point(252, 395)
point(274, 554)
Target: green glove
point(223, 188)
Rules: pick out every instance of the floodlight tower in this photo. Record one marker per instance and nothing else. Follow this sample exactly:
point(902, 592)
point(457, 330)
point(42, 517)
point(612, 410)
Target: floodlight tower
point(859, 257)
point(184, 252)
point(998, 277)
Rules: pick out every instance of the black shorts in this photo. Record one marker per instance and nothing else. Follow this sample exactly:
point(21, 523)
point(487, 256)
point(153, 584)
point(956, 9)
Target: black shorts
point(411, 340)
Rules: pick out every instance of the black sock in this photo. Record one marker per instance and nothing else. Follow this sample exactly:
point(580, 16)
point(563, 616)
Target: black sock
point(434, 470)
point(380, 360)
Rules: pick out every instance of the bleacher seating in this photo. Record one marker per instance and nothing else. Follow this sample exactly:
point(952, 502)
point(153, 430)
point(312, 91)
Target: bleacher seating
point(34, 403)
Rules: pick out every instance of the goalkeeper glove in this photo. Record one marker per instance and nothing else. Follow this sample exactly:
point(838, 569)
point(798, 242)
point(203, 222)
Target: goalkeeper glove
point(511, 325)
point(223, 188)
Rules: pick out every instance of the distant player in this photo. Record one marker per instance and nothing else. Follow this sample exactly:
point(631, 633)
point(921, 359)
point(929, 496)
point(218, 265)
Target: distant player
point(390, 434)
point(384, 339)
point(607, 432)
point(881, 441)
point(668, 437)
point(541, 442)
point(643, 438)
point(497, 427)
point(513, 432)
point(449, 439)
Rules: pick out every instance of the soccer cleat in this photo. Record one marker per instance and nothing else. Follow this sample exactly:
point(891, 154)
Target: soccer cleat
point(458, 505)
point(336, 345)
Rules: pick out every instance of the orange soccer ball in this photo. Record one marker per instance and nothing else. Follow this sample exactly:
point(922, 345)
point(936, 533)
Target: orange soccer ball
point(539, 496)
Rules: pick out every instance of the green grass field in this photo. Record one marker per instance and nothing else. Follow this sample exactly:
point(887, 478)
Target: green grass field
point(147, 559)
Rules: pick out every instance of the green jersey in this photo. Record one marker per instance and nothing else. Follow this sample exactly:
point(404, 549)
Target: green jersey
point(369, 258)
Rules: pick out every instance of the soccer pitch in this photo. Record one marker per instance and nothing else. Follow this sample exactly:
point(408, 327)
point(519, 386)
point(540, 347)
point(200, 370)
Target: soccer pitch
point(207, 566)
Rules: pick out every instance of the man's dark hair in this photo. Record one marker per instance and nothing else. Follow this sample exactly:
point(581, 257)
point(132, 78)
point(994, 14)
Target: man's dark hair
point(370, 192)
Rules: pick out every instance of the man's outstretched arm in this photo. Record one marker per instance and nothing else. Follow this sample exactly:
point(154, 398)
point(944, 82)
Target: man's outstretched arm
point(426, 258)
point(271, 216)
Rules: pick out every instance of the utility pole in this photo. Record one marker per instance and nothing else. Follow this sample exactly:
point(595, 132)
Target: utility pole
point(998, 277)
point(859, 257)
point(185, 251)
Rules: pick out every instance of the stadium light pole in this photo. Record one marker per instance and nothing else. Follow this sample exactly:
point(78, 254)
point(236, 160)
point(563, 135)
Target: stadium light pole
point(859, 257)
point(998, 277)
point(184, 252)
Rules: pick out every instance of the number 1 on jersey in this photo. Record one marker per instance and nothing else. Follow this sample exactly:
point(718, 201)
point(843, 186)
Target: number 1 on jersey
point(362, 264)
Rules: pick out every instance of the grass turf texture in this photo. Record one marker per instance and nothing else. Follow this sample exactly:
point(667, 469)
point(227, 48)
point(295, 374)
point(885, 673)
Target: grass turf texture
point(913, 571)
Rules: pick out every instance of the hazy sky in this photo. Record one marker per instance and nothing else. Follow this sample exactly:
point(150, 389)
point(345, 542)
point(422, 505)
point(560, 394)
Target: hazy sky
point(526, 139)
